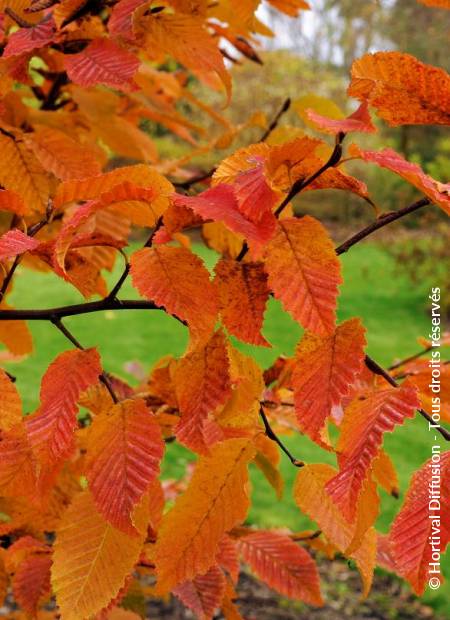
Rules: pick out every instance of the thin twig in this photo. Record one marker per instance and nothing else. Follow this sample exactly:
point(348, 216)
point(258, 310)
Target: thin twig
point(272, 435)
point(273, 125)
point(379, 370)
point(384, 220)
point(116, 288)
point(102, 377)
point(411, 358)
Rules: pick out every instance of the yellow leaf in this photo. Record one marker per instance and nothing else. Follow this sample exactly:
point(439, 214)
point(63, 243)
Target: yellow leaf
point(92, 559)
point(215, 501)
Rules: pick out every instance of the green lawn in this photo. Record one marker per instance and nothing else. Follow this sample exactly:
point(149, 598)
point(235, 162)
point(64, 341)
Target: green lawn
point(392, 309)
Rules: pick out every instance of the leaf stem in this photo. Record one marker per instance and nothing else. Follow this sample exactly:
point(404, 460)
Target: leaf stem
point(274, 437)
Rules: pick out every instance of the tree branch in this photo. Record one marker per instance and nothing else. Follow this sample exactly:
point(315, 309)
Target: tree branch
point(383, 220)
point(272, 435)
point(274, 124)
point(77, 309)
point(379, 370)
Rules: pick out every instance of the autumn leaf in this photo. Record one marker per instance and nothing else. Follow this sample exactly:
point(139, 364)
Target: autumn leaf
point(11, 201)
point(385, 474)
point(177, 280)
point(404, 90)
point(304, 272)
point(31, 581)
point(362, 433)
point(441, 4)
point(204, 593)
point(91, 558)
point(425, 513)
point(17, 463)
point(10, 404)
point(28, 39)
point(202, 383)
point(220, 204)
point(62, 155)
point(283, 565)
point(312, 498)
point(438, 193)
point(325, 368)
point(103, 62)
point(358, 121)
point(15, 242)
point(215, 501)
point(125, 449)
point(15, 335)
point(50, 430)
point(21, 172)
point(243, 294)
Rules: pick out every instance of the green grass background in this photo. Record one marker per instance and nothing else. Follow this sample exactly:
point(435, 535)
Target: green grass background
point(393, 310)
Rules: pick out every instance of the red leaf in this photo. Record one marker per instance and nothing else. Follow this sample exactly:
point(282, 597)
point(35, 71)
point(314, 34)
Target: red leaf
point(15, 242)
point(202, 383)
point(103, 62)
point(283, 565)
point(358, 121)
point(204, 593)
point(325, 368)
point(220, 204)
point(364, 424)
point(409, 540)
point(29, 39)
point(125, 449)
point(304, 272)
point(413, 173)
point(31, 581)
point(256, 197)
point(121, 20)
point(50, 429)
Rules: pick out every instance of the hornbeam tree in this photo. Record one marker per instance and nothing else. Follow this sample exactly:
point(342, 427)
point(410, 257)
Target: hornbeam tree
point(85, 517)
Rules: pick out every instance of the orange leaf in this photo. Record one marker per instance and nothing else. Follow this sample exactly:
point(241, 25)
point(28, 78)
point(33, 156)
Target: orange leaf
point(50, 429)
point(215, 501)
point(177, 279)
point(204, 593)
point(364, 424)
point(413, 173)
point(15, 335)
point(15, 242)
point(202, 383)
point(10, 403)
point(243, 294)
point(325, 368)
point(184, 38)
point(10, 201)
point(425, 513)
point(290, 7)
point(283, 565)
point(125, 449)
point(385, 474)
point(441, 4)
point(304, 272)
point(103, 62)
point(94, 186)
point(404, 90)
point(21, 172)
point(62, 155)
point(17, 465)
point(92, 559)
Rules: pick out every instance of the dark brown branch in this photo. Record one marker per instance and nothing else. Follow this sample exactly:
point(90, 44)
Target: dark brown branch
point(411, 358)
point(272, 435)
point(379, 370)
point(103, 377)
point(276, 119)
point(383, 220)
point(77, 309)
point(116, 288)
point(206, 175)
point(300, 184)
